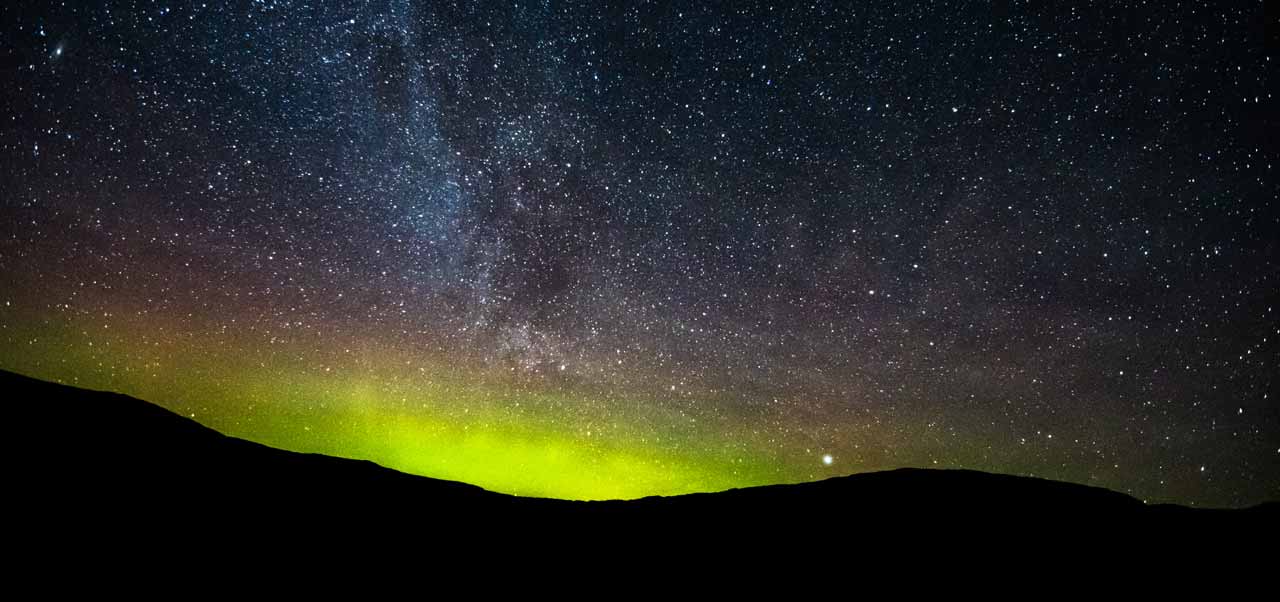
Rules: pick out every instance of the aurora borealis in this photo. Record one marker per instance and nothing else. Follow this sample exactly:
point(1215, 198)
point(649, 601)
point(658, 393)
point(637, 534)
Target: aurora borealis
point(563, 250)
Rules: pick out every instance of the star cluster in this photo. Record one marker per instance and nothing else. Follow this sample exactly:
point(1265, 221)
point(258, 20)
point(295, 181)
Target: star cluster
point(570, 250)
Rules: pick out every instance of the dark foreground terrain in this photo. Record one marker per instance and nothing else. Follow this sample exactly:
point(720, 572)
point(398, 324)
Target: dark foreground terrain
point(94, 468)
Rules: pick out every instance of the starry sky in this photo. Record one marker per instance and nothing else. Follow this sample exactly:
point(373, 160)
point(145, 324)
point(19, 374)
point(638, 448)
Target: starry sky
point(570, 250)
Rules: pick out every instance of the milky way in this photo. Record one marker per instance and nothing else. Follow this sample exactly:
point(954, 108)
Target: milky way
point(562, 250)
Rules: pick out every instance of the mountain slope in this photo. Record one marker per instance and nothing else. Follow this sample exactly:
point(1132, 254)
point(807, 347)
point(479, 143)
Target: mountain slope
point(93, 462)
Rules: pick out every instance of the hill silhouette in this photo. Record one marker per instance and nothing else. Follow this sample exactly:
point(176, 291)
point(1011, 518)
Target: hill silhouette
point(103, 465)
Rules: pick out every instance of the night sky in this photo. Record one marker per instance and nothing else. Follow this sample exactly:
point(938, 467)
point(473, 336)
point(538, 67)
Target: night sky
point(562, 250)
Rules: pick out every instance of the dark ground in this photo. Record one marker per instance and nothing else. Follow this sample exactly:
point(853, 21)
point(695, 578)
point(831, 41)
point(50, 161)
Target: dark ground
point(98, 469)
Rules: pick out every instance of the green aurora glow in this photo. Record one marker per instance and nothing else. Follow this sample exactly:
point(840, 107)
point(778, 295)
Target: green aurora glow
point(424, 420)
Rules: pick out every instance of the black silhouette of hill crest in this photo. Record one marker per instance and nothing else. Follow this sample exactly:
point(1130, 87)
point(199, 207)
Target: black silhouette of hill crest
point(107, 465)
